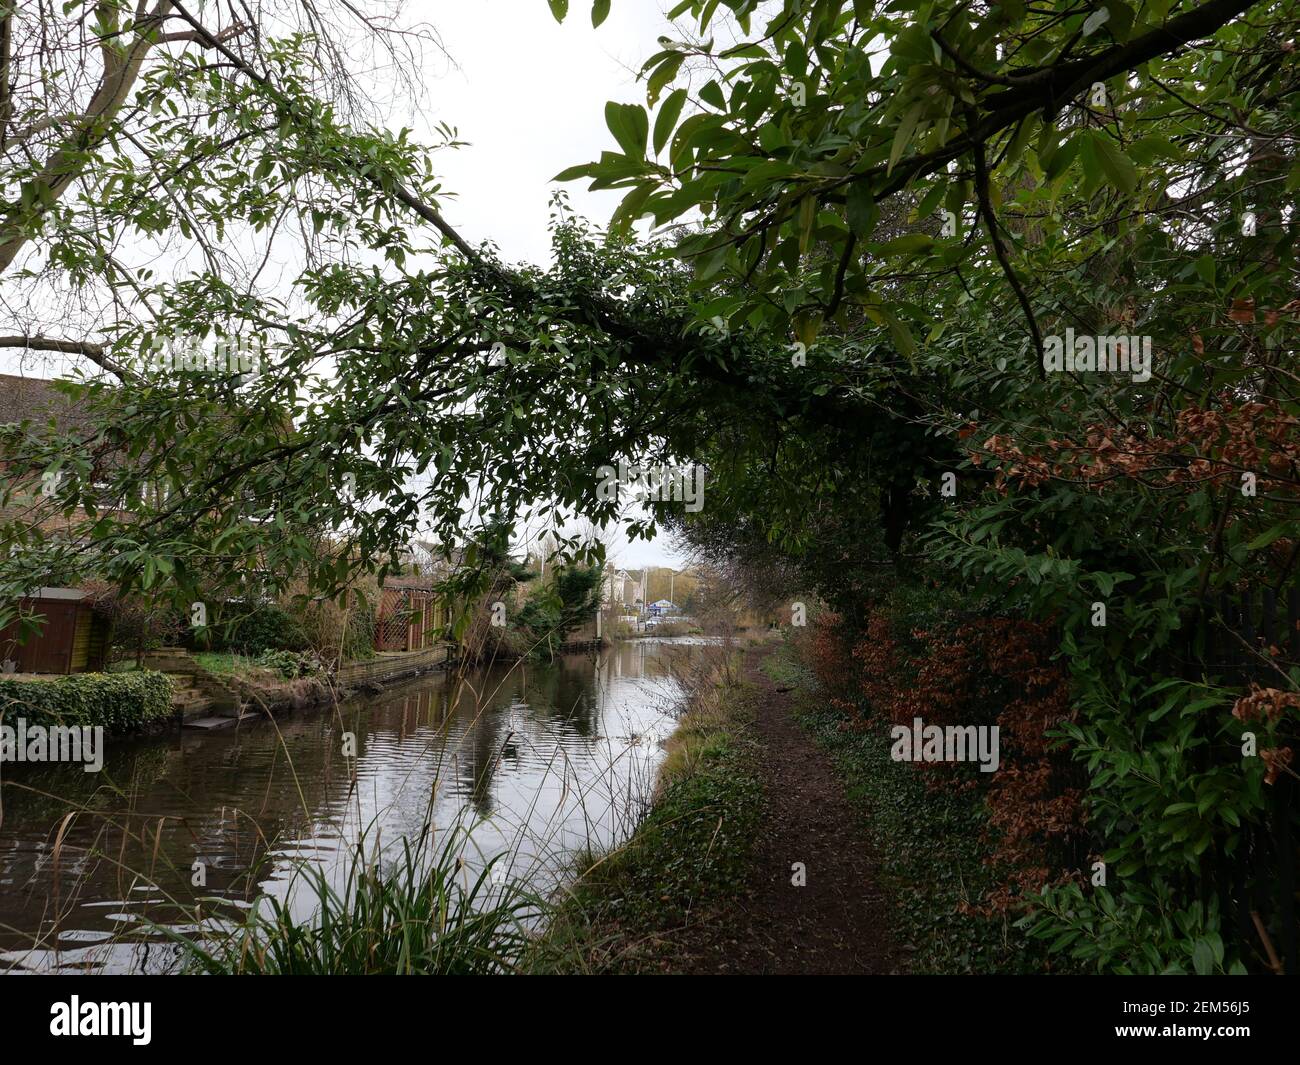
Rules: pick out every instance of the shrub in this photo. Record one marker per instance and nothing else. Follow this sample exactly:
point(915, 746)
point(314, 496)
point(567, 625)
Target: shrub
point(264, 628)
point(289, 664)
point(554, 610)
point(920, 658)
point(338, 632)
point(359, 632)
point(117, 701)
point(138, 623)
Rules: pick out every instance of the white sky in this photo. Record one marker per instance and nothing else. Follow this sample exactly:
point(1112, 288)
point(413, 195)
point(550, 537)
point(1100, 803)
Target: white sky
point(529, 96)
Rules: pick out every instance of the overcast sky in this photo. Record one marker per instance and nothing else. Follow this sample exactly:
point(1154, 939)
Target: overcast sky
point(529, 96)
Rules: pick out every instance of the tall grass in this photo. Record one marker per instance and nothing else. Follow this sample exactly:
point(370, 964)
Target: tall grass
point(423, 914)
point(688, 857)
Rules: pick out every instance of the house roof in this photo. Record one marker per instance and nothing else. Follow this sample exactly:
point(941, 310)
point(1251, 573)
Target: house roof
point(36, 399)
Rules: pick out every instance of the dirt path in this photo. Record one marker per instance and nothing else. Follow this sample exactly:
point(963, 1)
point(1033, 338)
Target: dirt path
point(838, 922)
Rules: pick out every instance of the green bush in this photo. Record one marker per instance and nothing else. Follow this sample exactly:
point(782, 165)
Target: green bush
point(117, 701)
point(289, 664)
point(553, 610)
point(265, 628)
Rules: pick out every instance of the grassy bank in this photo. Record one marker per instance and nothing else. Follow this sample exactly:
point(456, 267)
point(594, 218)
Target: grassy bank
point(930, 843)
point(690, 853)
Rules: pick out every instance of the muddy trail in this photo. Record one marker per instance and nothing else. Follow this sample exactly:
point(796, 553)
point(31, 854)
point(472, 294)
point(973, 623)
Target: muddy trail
point(838, 921)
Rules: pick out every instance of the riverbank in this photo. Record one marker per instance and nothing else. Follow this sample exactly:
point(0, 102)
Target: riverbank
point(215, 690)
point(784, 840)
point(752, 859)
point(627, 908)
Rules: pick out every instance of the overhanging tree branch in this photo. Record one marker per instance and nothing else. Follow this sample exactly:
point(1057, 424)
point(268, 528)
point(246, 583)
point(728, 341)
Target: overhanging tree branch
point(999, 249)
point(85, 348)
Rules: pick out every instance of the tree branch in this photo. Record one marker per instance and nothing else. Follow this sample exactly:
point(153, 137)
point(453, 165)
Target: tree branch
point(88, 349)
point(999, 249)
point(121, 70)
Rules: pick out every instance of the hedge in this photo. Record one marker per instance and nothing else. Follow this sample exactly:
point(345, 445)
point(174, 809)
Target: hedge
point(117, 701)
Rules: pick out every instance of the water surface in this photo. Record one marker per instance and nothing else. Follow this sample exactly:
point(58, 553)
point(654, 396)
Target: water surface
point(542, 761)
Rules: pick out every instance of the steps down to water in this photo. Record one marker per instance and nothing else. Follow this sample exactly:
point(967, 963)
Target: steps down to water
point(211, 722)
point(197, 695)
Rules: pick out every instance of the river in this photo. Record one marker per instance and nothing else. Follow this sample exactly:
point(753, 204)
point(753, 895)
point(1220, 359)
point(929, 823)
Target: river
point(538, 761)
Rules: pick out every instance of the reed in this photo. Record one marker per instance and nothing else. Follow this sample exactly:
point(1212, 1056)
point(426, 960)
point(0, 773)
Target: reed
point(424, 913)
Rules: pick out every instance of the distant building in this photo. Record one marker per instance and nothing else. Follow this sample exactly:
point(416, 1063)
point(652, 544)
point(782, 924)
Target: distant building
point(619, 589)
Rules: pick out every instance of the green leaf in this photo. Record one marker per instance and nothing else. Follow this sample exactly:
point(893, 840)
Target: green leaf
point(666, 121)
point(630, 126)
point(1293, 179)
point(575, 172)
point(861, 209)
point(906, 127)
point(1117, 166)
point(1059, 158)
point(664, 73)
point(807, 219)
point(559, 8)
point(806, 327)
point(902, 337)
point(630, 209)
point(599, 12)
point(907, 244)
point(770, 138)
point(712, 95)
point(1266, 538)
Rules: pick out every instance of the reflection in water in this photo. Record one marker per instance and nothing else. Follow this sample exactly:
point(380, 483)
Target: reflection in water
point(541, 760)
